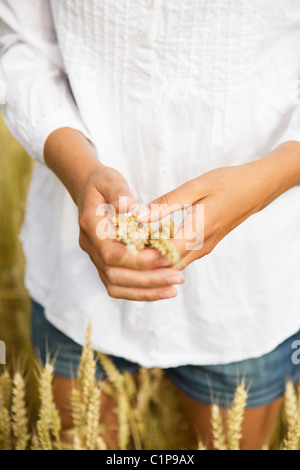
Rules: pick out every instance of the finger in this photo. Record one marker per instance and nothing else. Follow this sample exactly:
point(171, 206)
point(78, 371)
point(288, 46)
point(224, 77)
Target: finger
point(160, 277)
point(148, 295)
point(190, 234)
point(115, 189)
point(135, 293)
point(115, 253)
point(175, 200)
point(103, 246)
point(188, 259)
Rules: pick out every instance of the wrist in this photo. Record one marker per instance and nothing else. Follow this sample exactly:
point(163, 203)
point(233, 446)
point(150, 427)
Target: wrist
point(71, 156)
point(276, 173)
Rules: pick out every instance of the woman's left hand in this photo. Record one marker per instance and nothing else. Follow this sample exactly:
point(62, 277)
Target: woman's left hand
point(221, 199)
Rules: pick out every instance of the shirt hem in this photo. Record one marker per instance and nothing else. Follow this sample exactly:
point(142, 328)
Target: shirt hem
point(181, 359)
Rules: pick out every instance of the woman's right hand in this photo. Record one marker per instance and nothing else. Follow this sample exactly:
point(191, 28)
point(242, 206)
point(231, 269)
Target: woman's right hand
point(144, 276)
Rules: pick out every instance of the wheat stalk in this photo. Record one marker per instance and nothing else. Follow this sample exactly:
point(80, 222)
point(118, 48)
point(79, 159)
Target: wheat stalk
point(144, 393)
point(49, 421)
point(86, 401)
point(92, 418)
point(292, 417)
point(113, 375)
point(5, 429)
point(87, 381)
point(43, 436)
point(157, 376)
point(19, 413)
point(77, 442)
point(5, 422)
point(130, 385)
point(78, 410)
point(5, 388)
point(100, 444)
point(85, 357)
point(123, 405)
point(235, 417)
point(34, 443)
point(201, 446)
point(123, 419)
point(290, 404)
point(134, 410)
point(219, 436)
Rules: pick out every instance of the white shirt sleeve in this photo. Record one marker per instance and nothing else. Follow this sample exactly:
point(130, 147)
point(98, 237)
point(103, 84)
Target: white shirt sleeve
point(34, 88)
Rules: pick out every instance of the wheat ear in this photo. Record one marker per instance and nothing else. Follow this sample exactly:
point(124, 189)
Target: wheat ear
point(5, 425)
point(123, 406)
point(86, 414)
point(34, 442)
point(218, 432)
point(290, 404)
point(5, 429)
point(6, 388)
point(113, 375)
point(292, 418)
point(78, 410)
point(130, 385)
point(19, 413)
point(235, 417)
point(49, 421)
point(144, 392)
point(43, 436)
point(92, 419)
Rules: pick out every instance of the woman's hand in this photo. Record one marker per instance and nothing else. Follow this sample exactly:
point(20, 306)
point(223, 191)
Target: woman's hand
point(228, 196)
point(141, 276)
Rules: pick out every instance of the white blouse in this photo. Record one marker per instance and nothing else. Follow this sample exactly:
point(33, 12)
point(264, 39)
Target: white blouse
point(166, 90)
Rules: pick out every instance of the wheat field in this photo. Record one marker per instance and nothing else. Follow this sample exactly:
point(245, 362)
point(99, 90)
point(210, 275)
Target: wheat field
point(148, 410)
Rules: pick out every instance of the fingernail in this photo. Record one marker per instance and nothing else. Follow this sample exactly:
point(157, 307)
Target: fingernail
point(175, 279)
point(133, 206)
point(124, 204)
point(162, 262)
point(167, 294)
point(147, 216)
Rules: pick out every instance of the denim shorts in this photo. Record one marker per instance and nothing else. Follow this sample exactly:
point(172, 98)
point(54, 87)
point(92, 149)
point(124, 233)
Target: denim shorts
point(265, 377)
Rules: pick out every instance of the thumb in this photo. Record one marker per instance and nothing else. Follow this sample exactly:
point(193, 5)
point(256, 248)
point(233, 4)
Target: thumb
point(173, 201)
point(116, 191)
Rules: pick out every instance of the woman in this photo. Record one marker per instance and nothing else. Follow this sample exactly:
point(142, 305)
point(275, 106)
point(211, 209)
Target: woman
point(172, 102)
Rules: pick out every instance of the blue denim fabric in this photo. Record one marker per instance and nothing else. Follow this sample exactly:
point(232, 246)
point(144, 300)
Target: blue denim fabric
point(265, 377)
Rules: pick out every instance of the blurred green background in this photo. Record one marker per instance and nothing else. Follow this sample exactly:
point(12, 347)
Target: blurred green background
point(15, 174)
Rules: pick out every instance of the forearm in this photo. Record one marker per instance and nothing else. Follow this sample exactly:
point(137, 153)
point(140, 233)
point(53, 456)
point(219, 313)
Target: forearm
point(72, 158)
point(277, 172)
